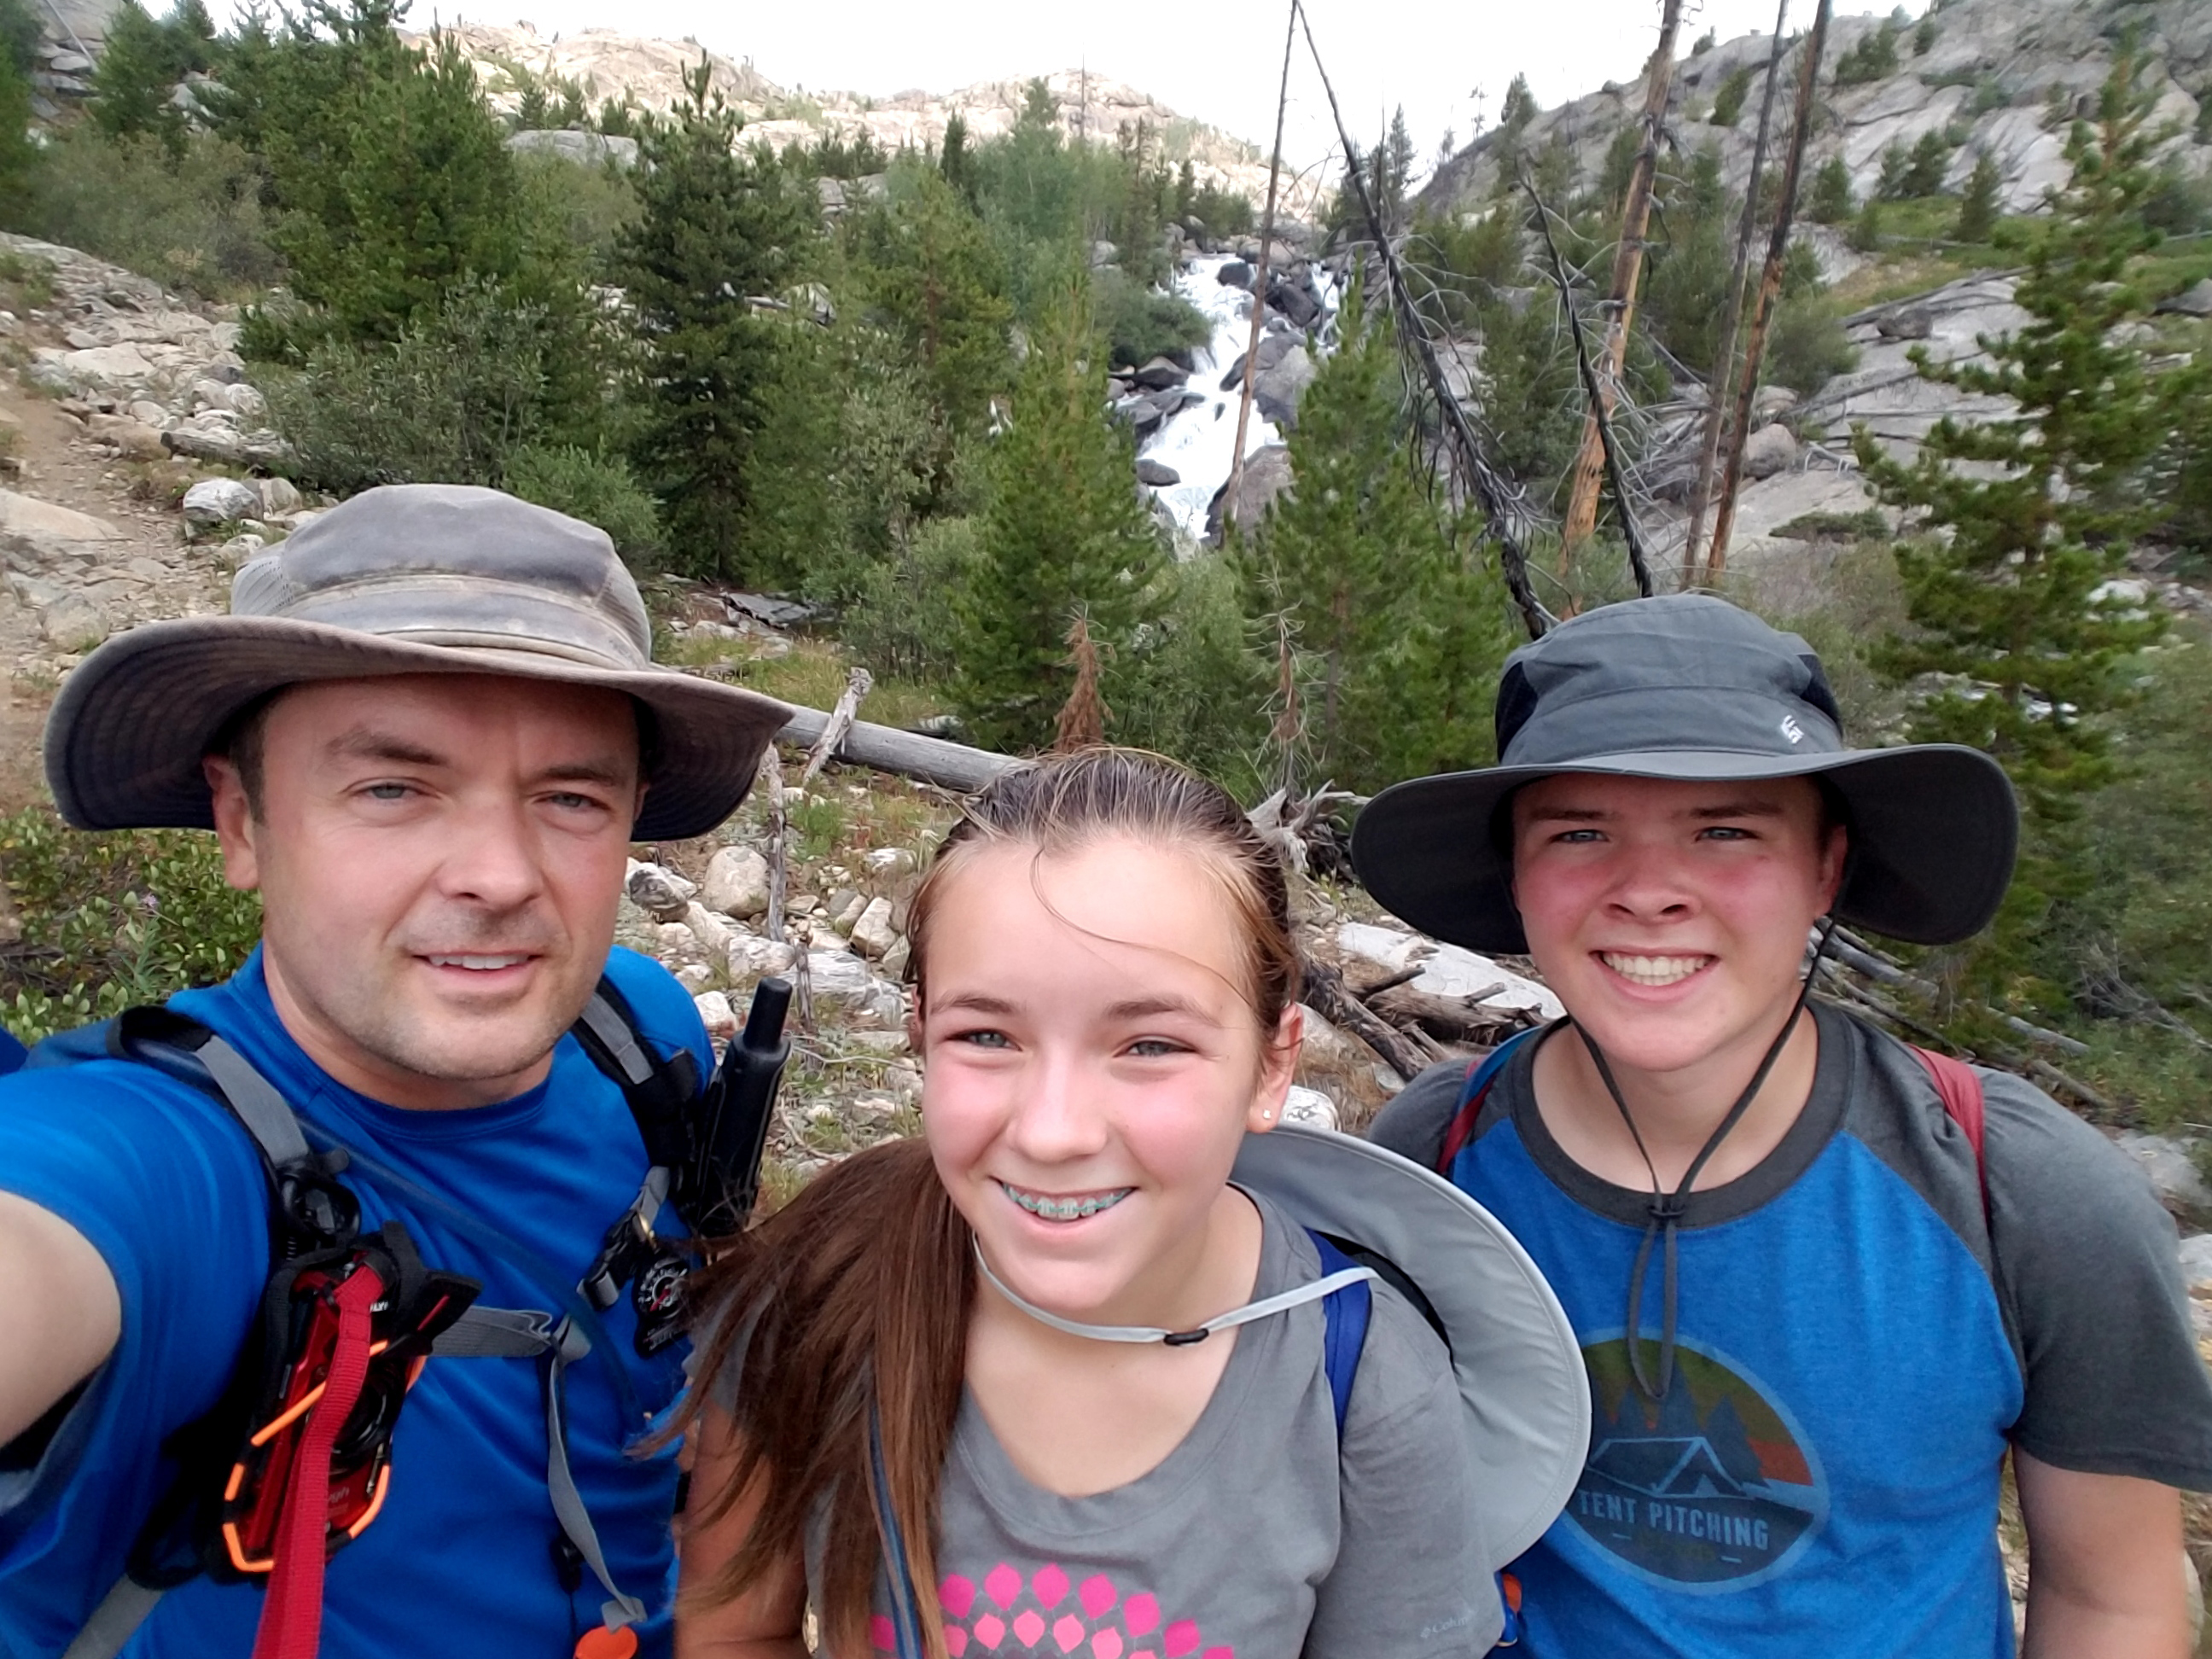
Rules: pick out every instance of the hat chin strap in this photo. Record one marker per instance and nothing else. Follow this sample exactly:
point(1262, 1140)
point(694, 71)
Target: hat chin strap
point(1325, 1285)
point(1666, 1209)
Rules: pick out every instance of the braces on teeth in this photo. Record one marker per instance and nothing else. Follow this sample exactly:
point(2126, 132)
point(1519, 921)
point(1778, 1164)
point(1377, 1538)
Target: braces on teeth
point(1063, 1209)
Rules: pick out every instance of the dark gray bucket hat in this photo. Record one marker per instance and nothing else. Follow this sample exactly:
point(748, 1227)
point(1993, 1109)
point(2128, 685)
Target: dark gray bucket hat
point(1686, 686)
point(410, 578)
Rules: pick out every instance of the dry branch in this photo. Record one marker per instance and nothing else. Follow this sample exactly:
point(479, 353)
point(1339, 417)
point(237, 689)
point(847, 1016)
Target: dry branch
point(1732, 312)
point(1491, 493)
point(1770, 289)
point(1260, 273)
point(1620, 309)
point(1326, 990)
point(905, 754)
point(858, 684)
point(1599, 405)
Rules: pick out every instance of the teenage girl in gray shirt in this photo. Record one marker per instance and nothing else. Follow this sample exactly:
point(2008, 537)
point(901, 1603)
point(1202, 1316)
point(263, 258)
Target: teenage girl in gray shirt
point(1105, 990)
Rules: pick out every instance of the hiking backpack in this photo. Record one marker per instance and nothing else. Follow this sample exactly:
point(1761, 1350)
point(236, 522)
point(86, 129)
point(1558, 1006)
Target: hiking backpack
point(293, 1462)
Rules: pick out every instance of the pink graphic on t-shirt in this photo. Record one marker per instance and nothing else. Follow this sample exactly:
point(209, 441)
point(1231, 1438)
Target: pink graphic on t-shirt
point(1033, 1620)
point(881, 1636)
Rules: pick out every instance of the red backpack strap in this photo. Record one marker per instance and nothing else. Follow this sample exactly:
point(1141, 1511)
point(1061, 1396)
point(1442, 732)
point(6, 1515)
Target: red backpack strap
point(1480, 1074)
point(1958, 1085)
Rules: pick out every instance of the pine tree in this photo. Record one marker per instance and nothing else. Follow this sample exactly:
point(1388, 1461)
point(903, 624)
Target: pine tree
point(1728, 103)
point(1923, 174)
point(1832, 202)
point(1402, 637)
point(1896, 164)
point(18, 154)
point(142, 60)
point(1064, 535)
point(2005, 600)
point(930, 268)
point(1866, 229)
point(390, 178)
point(714, 228)
point(1977, 207)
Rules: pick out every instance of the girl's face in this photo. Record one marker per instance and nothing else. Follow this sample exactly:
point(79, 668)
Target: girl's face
point(1090, 1066)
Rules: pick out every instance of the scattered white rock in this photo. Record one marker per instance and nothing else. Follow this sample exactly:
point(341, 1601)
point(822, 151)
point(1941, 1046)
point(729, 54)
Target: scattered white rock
point(872, 932)
point(841, 978)
point(714, 932)
point(695, 976)
point(219, 500)
point(894, 961)
point(26, 516)
point(1447, 970)
point(278, 497)
point(1770, 450)
point(714, 1011)
point(752, 958)
point(1311, 1108)
point(2171, 1171)
point(888, 862)
point(886, 1044)
point(737, 881)
point(661, 892)
point(2196, 1260)
point(673, 942)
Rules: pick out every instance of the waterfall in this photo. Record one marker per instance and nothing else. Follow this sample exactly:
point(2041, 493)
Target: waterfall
point(1201, 442)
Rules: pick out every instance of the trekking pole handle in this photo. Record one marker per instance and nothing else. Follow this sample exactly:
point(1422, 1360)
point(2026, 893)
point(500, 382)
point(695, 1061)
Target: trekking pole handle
point(744, 1097)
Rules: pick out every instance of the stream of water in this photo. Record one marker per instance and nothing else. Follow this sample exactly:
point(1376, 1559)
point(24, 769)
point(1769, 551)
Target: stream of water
point(1201, 442)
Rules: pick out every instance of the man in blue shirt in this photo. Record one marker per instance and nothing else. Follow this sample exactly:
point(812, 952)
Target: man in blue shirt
point(1823, 1285)
point(427, 733)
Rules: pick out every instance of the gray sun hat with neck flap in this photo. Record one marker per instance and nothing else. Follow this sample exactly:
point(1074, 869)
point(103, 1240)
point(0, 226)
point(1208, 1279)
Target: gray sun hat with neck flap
point(1689, 687)
point(410, 579)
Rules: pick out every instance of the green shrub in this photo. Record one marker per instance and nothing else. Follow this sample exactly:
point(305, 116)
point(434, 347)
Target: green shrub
point(905, 621)
point(1141, 324)
point(1873, 58)
point(1188, 685)
point(190, 219)
point(113, 920)
point(1866, 229)
point(1924, 38)
point(1224, 210)
point(1832, 192)
point(588, 484)
point(1728, 103)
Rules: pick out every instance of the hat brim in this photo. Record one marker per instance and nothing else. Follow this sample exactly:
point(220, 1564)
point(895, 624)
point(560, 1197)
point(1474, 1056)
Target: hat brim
point(1520, 1369)
point(126, 735)
point(1934, 830)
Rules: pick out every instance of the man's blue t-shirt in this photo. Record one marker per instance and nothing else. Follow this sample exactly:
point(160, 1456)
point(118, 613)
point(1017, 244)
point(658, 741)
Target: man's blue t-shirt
point(1857, 1347)
point(168, 1188)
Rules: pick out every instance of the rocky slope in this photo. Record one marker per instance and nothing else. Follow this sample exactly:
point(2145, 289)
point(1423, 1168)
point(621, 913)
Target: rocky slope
point(2002, 75)
point(608, 63)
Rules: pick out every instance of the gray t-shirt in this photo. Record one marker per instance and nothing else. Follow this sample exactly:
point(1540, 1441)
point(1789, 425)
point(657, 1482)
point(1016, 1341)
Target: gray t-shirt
point(1258, 1536)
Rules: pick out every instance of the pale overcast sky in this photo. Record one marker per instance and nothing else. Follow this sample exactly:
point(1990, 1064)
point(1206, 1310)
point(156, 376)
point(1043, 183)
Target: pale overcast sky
point(1218, 63)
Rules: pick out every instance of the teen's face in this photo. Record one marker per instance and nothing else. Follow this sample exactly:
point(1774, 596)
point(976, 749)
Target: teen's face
point(439, 858)
point(1671, 918)
point(1091, 1063)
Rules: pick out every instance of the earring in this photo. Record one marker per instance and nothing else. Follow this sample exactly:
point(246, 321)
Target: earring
point(1268, 1116)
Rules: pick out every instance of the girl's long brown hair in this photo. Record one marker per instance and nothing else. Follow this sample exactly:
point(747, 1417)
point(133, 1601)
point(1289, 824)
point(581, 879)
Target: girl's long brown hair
point(853, 1299)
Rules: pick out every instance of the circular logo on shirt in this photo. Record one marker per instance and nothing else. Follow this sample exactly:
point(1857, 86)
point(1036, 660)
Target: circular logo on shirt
point(1712, 1487)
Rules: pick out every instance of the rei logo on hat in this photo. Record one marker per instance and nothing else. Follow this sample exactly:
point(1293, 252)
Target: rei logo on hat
point(1791, 730)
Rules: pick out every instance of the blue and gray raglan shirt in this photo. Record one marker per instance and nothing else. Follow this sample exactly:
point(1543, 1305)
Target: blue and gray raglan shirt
point(1858, 1346)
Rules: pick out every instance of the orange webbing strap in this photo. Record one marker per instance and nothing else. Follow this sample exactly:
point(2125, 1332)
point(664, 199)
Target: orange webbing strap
point(292, 1618)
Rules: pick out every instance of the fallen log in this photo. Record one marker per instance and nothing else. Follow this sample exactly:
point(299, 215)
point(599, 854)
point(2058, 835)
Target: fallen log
point(907, 754)
point(1454, 1019)
point(1325, 990)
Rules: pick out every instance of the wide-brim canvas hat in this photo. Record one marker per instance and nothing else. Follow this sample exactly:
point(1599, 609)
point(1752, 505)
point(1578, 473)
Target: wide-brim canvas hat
point(410, 579)
point(1688, 687)
point(1520, 1369)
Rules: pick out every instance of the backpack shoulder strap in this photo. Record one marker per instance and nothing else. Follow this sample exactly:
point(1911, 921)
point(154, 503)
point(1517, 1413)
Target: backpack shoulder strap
point(1344, 1326)
point(1958, 1085)
point(1479, 1076)
point(659, 1093)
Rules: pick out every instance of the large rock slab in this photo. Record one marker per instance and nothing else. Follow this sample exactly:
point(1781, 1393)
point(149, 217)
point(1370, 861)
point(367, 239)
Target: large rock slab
point(26, 516)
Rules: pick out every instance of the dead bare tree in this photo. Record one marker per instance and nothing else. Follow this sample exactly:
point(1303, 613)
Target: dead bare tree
point(1638, 564)
point(1620, 307)
point(1495, 497)
point(1770, 289)
point(1083, 717)
point(1732, 308)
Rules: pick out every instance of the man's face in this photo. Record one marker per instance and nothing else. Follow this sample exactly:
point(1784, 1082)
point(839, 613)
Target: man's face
point(1671, 918)
point(439, 857)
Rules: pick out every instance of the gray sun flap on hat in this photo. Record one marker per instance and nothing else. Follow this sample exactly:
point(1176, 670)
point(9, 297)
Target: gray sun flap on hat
point(1520, 1369)
point(1688, 687)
